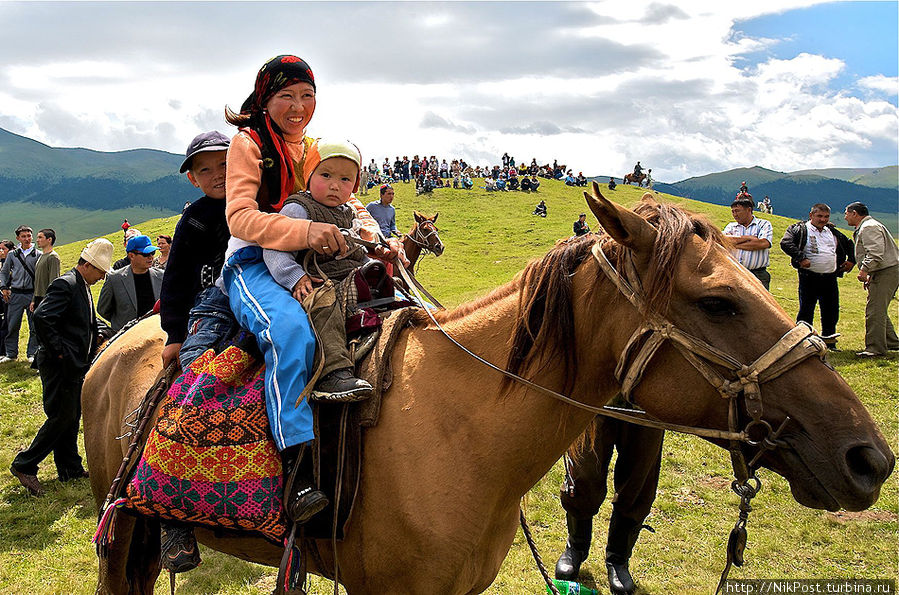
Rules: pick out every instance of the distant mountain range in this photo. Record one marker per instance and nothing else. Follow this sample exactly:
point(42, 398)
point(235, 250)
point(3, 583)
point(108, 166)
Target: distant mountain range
point(793, 193)
point(33, 172)
point(107, 184)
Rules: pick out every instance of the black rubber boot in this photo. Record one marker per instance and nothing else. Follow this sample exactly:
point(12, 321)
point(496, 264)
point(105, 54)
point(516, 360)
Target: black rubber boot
point(623, 533)
point(579, 533)
point(301, 500)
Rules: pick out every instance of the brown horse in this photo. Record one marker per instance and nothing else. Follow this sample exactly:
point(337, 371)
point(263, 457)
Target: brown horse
point(457, 448)
point(631, 178)
point(422, 237)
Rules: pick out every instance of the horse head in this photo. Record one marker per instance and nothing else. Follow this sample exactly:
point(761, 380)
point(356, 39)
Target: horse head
point(425, 233)
point(719, 333)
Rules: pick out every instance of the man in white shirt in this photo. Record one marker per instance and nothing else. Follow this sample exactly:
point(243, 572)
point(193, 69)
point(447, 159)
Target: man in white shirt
point(821, 254)
point(750, 239)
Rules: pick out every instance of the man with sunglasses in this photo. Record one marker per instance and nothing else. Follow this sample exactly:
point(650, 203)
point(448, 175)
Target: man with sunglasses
point(132, 291)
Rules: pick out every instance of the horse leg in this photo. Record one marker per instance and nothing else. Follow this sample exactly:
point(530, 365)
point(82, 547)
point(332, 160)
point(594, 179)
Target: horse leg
point(132, 563)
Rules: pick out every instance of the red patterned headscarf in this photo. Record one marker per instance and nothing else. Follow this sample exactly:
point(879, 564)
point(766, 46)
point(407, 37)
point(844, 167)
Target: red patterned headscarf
point(278, 175)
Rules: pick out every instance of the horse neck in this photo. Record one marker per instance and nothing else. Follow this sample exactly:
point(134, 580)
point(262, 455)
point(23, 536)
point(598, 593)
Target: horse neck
point(413, 250)
point(513, 437)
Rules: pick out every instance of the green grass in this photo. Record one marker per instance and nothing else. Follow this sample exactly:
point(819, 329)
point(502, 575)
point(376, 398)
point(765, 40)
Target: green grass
point(69, 223)
point(45, 544)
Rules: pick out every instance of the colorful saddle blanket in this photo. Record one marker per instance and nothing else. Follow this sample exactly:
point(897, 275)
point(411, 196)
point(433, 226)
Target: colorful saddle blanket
point(210, 459)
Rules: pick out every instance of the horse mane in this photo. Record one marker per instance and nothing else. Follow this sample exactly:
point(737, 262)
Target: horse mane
point(544, 324)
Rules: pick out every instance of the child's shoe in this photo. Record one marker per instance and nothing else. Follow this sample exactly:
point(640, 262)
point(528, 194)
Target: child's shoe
point(341, 386)
point(303, 501)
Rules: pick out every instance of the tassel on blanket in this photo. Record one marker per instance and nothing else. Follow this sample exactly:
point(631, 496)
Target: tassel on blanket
point(292, 571)
point(105, 533)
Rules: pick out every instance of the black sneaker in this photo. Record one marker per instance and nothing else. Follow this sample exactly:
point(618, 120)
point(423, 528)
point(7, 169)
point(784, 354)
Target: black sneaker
point(179, 550)
point(305, 503)
point(341, 386)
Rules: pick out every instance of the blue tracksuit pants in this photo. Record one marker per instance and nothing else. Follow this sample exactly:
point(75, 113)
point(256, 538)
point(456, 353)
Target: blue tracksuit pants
point(285, 338)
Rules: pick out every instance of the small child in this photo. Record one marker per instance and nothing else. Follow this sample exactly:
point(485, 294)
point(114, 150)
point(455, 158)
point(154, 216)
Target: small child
point(331, 172)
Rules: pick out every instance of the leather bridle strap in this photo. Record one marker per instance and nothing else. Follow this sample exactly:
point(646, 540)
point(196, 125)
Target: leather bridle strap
point(422, 243)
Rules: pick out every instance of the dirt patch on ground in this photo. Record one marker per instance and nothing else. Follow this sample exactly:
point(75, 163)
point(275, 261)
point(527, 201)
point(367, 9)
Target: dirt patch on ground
point(844, 516)
point(715, 481)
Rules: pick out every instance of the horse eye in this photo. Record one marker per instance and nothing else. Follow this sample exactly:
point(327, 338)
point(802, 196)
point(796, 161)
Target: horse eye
point(716, 306)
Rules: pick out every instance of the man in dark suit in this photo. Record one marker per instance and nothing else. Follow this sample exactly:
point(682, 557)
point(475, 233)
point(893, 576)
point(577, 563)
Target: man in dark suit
point(131, 292)
point(66, 325)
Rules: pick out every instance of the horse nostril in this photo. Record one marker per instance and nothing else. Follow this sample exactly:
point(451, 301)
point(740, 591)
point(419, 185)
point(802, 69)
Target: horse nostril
point(869, 466)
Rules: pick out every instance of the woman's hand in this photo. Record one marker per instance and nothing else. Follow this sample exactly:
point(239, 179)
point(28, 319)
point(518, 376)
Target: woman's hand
point(325, 239)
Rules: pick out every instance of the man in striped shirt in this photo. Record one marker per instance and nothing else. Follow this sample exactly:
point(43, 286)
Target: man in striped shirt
point(750, 239)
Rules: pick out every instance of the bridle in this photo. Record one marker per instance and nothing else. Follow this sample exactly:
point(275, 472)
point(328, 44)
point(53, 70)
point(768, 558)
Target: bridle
point(420, 238)
point(797, 345)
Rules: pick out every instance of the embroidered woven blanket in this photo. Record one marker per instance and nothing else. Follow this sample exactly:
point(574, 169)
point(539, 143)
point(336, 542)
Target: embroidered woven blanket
point(209, 460)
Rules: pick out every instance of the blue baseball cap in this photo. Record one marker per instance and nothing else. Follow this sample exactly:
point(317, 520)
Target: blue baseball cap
point(141, 245)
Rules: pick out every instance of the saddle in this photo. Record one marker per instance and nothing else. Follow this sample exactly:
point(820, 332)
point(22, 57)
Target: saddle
point(210, 460)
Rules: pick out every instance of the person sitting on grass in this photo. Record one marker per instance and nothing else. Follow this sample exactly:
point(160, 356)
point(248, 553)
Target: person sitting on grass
point(540, 209)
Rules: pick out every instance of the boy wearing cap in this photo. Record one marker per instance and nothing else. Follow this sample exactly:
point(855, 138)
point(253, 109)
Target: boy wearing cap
point(196, 258)
point(132, 291)
point(66, 324)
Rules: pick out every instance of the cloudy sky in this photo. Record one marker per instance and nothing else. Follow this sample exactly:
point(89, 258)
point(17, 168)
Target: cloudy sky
point(687, 88)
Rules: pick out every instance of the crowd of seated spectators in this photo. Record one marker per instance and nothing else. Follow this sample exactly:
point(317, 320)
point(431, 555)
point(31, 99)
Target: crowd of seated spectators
point(429, 173)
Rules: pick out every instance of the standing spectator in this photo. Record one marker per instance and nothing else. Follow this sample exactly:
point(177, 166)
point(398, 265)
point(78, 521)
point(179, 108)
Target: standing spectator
point(363, 181)
point(820, 254)
point(636, 480)
point(47, 267)
point(649, 179)
point(131, 292)
point(750, 239)
point(129, 233)
point(878, 268)
point(164, 242)
point(17, 287)
point(5, 247)
point(383, 211)
point(505, 160)
point(406, 167)
point(67, 326)
point(580, 226)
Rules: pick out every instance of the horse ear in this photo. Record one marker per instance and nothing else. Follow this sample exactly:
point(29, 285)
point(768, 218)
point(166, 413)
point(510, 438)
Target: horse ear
point(625, 226)
point(648, 197)
point(418, 216)
point(434, 220)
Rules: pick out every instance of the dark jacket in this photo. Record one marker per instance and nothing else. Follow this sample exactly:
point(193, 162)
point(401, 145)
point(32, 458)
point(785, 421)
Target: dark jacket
point(796, 236)
point(200, 240)
point(65, 322)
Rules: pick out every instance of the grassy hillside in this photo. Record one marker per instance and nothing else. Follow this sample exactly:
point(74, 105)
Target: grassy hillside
point(45, 544)
point(70, 223)
point(876, 177)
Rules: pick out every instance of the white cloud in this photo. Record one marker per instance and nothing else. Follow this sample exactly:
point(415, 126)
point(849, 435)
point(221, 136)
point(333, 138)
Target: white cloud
point(886, 84)
point(596, 85)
